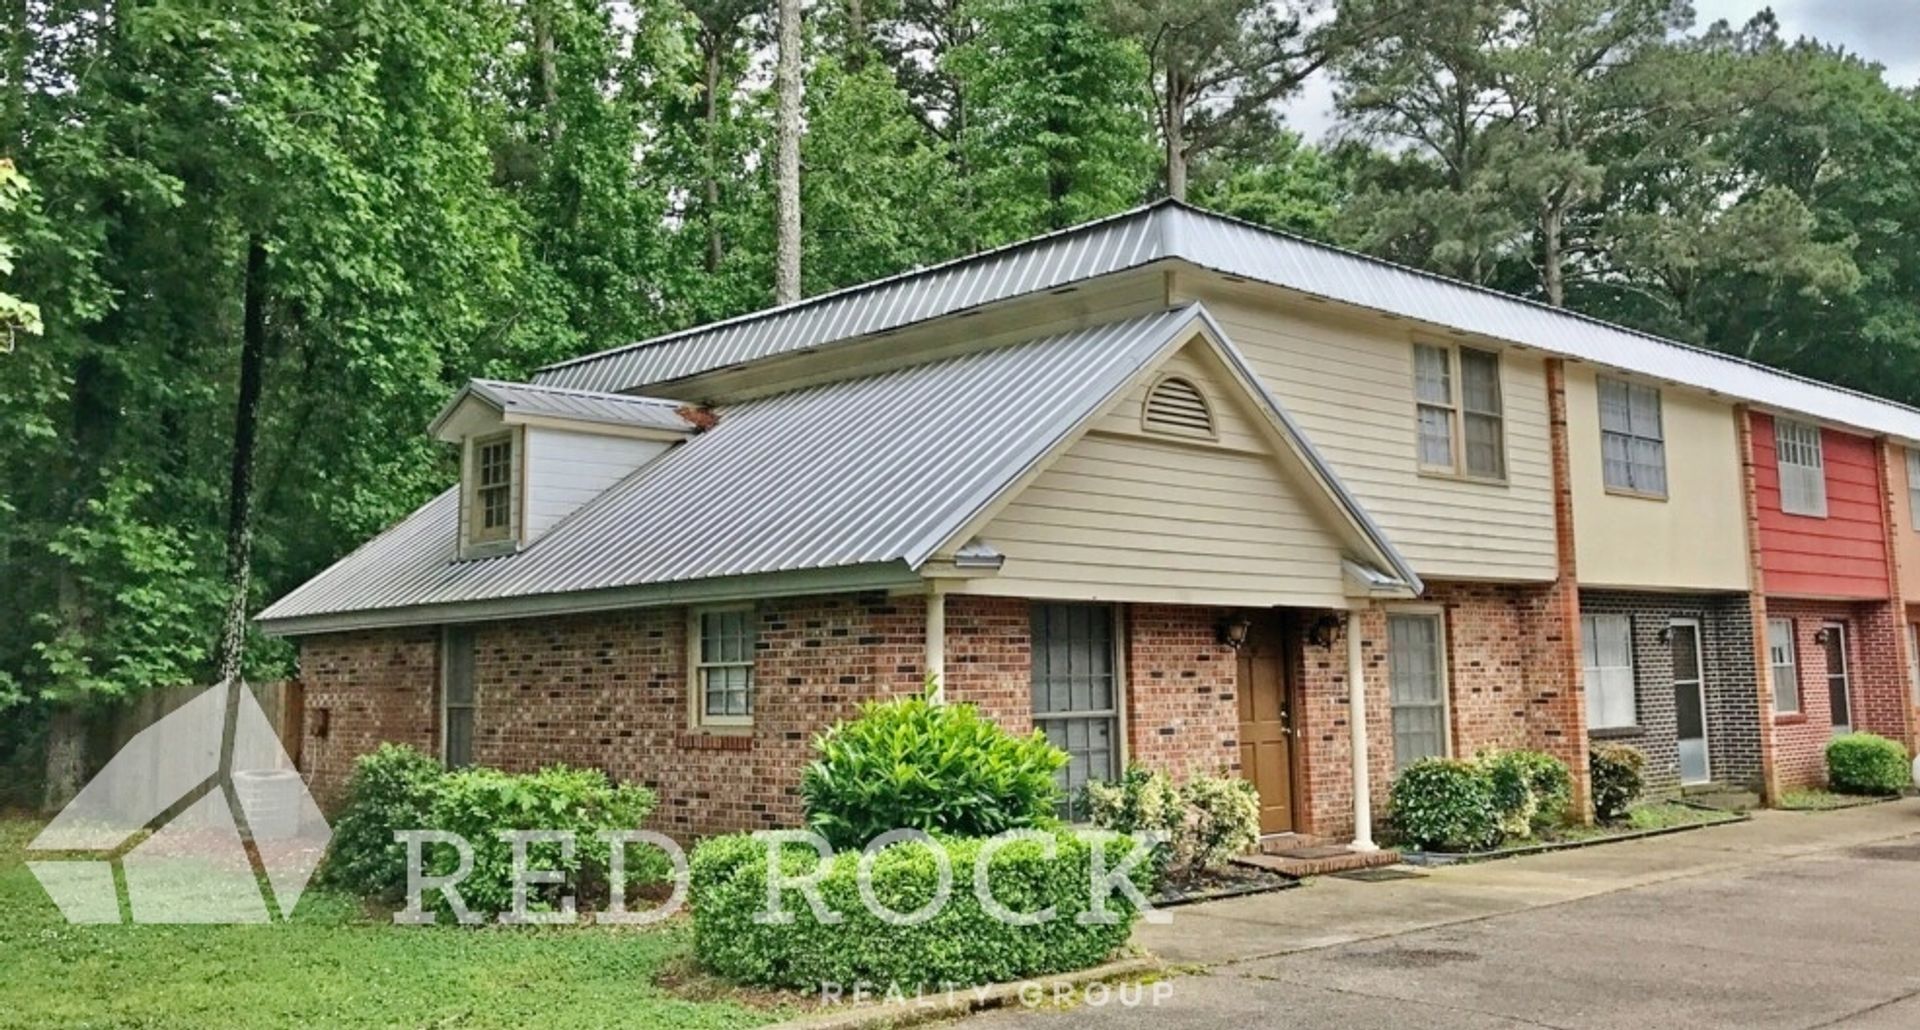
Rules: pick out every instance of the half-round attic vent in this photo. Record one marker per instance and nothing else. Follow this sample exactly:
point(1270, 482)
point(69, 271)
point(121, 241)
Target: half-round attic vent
point(1177, 407)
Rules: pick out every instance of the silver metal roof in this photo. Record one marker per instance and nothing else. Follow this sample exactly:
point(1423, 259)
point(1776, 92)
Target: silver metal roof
point(874, 470)
point(573, 405)
point(1168, 230)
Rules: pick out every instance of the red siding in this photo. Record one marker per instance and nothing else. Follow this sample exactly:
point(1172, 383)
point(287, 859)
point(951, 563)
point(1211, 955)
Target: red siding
point(1842, 555)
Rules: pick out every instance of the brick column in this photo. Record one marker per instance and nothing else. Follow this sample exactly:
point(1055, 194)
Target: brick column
point(1890, 525)
point(1562, 615)
point(1757, 605)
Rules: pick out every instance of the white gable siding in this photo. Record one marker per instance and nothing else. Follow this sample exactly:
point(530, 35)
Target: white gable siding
point(567, 469)
point(1126, 515)
point(1348, 381)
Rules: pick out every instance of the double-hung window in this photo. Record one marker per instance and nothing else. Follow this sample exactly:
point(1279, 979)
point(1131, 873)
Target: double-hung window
point(1417, 687)
point(1803, 479)
point(1076, 692)
point(1458, 407)
point(1913, 486)
point(722, 644)
point(1783, 667)
point(1633, 448)
point(456, 696)
point(1606, 644)
point(490, 500)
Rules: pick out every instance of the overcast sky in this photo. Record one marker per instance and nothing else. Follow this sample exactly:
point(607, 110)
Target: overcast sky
point(1887, 31)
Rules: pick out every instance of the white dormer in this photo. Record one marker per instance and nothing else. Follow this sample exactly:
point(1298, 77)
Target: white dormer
point(532, 455)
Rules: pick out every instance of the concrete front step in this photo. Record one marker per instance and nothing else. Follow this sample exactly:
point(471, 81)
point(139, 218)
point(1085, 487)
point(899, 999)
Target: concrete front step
point(1300, 860)
point(1721, 796)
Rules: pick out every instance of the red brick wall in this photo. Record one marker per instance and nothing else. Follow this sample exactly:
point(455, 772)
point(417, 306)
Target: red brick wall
point(374, 687)
point(1876, 679)
point(1183, 712)
point(609, 691)
point(1324, 735)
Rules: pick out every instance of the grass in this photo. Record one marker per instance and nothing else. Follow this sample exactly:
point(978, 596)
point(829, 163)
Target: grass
point(1652, 815)
point(1815, 799)
point(335, 964)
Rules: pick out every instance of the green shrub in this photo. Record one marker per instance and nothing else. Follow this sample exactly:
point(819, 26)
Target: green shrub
point(1531, 789)
point(391, 789)
point(1617, 780)
point(1864, 763)
point(480, 803)
point(1202, 823)
point(961, 945)
point(914, 763)
point(1444, 804)
point(1223, 820)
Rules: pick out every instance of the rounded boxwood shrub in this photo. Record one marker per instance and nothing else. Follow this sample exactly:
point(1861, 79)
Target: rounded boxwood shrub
point(391, 789)
point(1865, 763)
point(960, 945)
point(1444, 804)
point(1531, 789)
point(1202, 823)
point(915, 763)
point(1617, 780)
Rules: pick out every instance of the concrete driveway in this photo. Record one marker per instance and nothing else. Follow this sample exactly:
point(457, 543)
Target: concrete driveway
point(1792, 920)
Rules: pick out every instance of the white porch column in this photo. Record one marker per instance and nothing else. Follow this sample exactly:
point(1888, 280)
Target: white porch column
point(937, 640)
point(1357, 722)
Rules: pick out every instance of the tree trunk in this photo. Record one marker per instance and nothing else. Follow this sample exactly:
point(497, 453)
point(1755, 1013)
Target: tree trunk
point(1552, 272)
point(549, 87)
point(715, 248)
point(857, 41)
point(246, 427)
point(786, 272)
point(66, 756)
point(1175, 131)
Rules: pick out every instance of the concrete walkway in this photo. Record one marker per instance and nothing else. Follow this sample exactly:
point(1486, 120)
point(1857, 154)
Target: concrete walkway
point(1793, 920)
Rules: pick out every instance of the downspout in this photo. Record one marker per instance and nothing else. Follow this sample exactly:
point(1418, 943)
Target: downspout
point(1357, 723)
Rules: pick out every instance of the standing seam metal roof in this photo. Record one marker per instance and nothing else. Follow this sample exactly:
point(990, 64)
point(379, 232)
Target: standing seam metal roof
point(1169, 230)
point(574, 405)
point(873, 470)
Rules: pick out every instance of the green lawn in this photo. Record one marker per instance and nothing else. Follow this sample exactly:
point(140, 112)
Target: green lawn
point(1652, 815)
point(1815, 799)
point(331, 965)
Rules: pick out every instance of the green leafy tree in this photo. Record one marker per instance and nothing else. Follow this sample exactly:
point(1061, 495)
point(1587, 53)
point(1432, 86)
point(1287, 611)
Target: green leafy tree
point(1058, 130)
point(16, 315)
point(1278, 181)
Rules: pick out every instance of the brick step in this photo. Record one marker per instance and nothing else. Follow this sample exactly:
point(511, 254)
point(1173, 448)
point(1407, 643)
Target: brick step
point(1303, 860)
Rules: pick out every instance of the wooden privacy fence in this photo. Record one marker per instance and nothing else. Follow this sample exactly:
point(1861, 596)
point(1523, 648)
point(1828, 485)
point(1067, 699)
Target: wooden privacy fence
point(281, 700)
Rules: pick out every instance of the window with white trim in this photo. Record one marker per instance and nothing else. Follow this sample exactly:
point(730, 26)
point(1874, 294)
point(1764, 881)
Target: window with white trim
point(1633, 448)
point(1913, 486)
point(1606, 645)
point(1803, 478)
point(490, 500)
point(456, 696)
point(723, 644)
point(1913, 657)
point(1417, 687)
point(1461, 424)
point(1075, 688)
point(1783, 666)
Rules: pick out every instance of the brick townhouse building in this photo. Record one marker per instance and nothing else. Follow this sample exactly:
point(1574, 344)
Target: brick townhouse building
point(1171, 488)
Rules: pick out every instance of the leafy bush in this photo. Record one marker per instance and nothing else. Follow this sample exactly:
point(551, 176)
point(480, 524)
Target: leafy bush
point(1444, 804)
point(391, 789)
point(480, 803)
point(1531, 789)
point(1202, 823)
point(398, 788)
point(1864, 763)
point(961, 945)
point(1617, 780)
point(914, 763)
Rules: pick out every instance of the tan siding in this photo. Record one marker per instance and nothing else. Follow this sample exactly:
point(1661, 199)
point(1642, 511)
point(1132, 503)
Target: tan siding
point(1348, 380)
point(1906, 539)
point(1692, 540)
point(1125, 515)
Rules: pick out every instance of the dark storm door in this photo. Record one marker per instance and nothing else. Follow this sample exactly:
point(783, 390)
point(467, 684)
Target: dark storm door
point(1839, 695)
point(1690, 701)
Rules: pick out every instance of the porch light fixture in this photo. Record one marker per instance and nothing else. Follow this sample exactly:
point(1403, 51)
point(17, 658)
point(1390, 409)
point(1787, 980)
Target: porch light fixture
point(1233, 631)
point(1824, 636)
point(1325, 630)
point(1665, 635)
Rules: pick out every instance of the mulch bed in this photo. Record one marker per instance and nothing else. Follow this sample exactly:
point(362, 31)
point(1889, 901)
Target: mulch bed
point(1231, 881)
point(1626, 833)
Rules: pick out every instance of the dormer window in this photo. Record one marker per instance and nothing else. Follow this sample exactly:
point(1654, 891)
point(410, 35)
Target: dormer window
point(489, 478)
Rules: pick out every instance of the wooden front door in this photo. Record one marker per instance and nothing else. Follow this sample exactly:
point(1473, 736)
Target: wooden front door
point(1266, 719)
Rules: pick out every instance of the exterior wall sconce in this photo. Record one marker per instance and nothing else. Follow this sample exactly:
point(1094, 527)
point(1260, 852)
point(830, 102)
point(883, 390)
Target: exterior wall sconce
point(1325, 630)
point(1233, 630)
point(1665, 635)
point(1824, 636)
